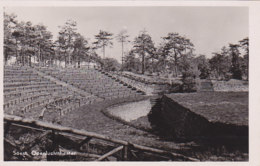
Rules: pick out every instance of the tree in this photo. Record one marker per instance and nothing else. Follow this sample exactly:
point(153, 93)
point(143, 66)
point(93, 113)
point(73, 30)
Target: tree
point(66, 39)
point(60, 50)
point(143, 46)
point(80, 49)
point(163, 52)
point(152, 60)
point(235, 65)
point(26, 41)
point(44, 44)
point(110, 64)
point(18, 34)
point(244, 43)
point(103, 40)
point(30, 41)
point(132, 63)
point(220, 64)
point(203, 66)
point(176, 47)
point(9, 40)
point(24, 32)
point(122, 37)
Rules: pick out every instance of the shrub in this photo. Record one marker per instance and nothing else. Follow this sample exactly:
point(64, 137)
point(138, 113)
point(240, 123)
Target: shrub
point(188, 81)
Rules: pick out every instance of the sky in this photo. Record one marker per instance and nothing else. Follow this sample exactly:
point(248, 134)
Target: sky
point(208, 28)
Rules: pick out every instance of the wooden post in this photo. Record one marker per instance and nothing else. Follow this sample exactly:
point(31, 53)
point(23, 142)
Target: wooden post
point(53, 147)
point(110, 153)
point(86, 140)
point(125, 153)
point(7, 127)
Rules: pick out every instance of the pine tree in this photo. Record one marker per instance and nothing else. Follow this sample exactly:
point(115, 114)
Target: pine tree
point(103, 40)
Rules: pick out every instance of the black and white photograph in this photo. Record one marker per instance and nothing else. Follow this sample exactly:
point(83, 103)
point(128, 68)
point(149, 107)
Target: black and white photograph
point(126, 83)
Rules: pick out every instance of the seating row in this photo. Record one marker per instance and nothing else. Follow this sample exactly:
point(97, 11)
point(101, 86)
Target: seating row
point(26, 93)
point(91, 81)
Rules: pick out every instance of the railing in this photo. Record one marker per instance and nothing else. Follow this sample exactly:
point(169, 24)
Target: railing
point(123, 150)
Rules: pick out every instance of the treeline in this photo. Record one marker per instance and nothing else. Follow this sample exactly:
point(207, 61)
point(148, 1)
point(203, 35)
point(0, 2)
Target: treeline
point(34, 43)
point(175, 54)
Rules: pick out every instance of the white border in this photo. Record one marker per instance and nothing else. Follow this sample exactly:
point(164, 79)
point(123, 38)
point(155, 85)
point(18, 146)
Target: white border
point(254, 73)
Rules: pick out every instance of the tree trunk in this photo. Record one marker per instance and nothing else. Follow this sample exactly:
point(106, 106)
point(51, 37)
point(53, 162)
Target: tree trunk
point(6, 57)
point(30, 60)
point(152, 65)
point(51, 62)
point(22, 57)
point(104, 52)
point(175, 63)
point(143, 63)
point(44, 62)
point(69, 63)
point(218, 74)
point(65, 58)
point(122, 53)
point(175, 70)
point(39, 56)
point(16, 50)
point(164, 63)
point(59, 63)
point(74, 64)
point(26, 62)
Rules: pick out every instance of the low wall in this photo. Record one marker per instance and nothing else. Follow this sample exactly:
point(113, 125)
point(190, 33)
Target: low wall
point(231, 85)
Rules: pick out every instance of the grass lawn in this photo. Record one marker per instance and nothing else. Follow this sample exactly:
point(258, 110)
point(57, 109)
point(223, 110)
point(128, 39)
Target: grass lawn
point(224, 107)
point(91, 118)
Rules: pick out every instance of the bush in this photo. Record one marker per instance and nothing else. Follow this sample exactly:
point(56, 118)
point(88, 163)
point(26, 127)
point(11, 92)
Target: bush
point(236, 73)
point(204, 73)
point(188, 81)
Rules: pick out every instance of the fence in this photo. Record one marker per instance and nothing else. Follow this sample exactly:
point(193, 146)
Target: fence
point(120, 150)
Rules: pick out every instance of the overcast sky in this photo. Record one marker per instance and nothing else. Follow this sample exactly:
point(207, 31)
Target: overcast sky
point(209, 28)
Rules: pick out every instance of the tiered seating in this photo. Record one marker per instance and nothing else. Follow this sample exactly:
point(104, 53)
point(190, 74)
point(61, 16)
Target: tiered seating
point(139, 86)
point(27, 94)
point(92, 81)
